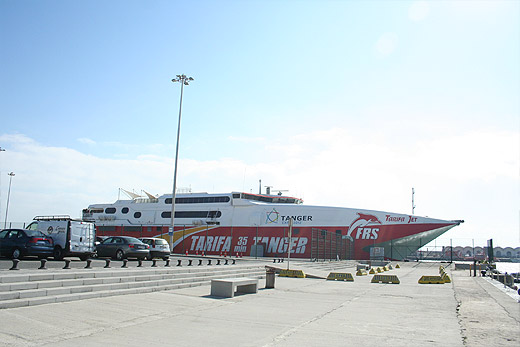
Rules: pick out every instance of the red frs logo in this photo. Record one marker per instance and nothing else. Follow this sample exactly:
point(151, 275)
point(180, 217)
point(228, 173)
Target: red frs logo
point(363, 227)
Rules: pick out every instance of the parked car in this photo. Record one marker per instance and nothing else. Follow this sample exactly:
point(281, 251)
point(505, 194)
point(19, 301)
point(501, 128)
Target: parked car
point(71, 237)
point(121, 247)
point(100, 239)
point(159, 248)
point(18, 243)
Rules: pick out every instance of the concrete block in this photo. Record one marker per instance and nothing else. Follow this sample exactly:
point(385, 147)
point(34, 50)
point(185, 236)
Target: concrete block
point(41, 277)
point(24, 286)
point(42, 300)
point(14, 303)
point(32, 293)
point(14, 279)
point(58, 291)
point(9, 295)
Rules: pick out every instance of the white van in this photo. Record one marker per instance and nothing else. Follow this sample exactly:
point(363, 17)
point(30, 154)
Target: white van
point(71, 237)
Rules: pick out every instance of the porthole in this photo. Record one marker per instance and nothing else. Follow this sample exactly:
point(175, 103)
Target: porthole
point(137, 215)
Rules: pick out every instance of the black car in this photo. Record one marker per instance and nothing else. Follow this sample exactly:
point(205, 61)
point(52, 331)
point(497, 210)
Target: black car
point(121, 247)
point(18, 243)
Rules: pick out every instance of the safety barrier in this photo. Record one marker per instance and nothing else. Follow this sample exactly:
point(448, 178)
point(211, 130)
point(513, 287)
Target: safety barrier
point(340, 276)
point(385, 279)
point(361, 273)
point(292, 273)
point(431, 280)
point(397, 266)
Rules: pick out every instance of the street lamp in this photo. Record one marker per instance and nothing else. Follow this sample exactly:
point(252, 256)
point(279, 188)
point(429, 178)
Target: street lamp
point(1, 150)
point(11, 174)
point(184, 81)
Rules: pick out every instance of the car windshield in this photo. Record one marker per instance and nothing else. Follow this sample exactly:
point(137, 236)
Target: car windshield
point(34, 233)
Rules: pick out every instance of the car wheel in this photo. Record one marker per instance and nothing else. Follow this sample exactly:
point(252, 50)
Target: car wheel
point(120, 254)
point(58, 253)
point(16, 253)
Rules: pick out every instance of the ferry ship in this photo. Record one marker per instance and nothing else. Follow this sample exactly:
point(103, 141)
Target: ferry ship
point(266, 225)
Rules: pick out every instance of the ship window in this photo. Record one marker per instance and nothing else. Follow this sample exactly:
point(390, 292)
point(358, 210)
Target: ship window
point(198, 200)
point(110, 210)
point(137, 215)
point(106, 228)
point(124, 210)
point(236, 196)
point(132, 228)
point(192, 214)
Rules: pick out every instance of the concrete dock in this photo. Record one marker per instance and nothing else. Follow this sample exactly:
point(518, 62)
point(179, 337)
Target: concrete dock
point(469, 311)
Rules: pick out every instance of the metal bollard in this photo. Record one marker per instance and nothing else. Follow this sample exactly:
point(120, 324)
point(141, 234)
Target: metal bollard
point(218, 261)
point(139, 262)
point(179, 262)
point(89, 261)
point(125, 262)
point(167, 262)
point(154, 262)
point(67, 264)
point(15, 264)
point(200, 262)
point(107, 264)
point(233, 262)
point(209, 261)
point(189, 262)
point(274, 260)
point(42, 264)
point(226, 262)
point(270, 274)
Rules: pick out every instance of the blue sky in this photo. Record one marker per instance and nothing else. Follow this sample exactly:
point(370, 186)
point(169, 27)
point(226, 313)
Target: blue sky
point(347, 103)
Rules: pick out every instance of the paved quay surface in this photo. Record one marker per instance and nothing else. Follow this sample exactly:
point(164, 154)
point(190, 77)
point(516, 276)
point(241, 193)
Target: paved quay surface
point(298, 312)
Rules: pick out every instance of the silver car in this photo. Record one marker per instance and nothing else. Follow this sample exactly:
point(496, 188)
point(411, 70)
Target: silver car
point(159, 248)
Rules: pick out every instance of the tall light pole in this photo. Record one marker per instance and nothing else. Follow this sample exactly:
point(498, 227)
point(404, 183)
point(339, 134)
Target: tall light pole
point(11, 174)
point(184, 81)
point(1, 150)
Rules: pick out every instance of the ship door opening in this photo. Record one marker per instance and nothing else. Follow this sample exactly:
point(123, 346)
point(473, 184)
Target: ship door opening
point(330, 245)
